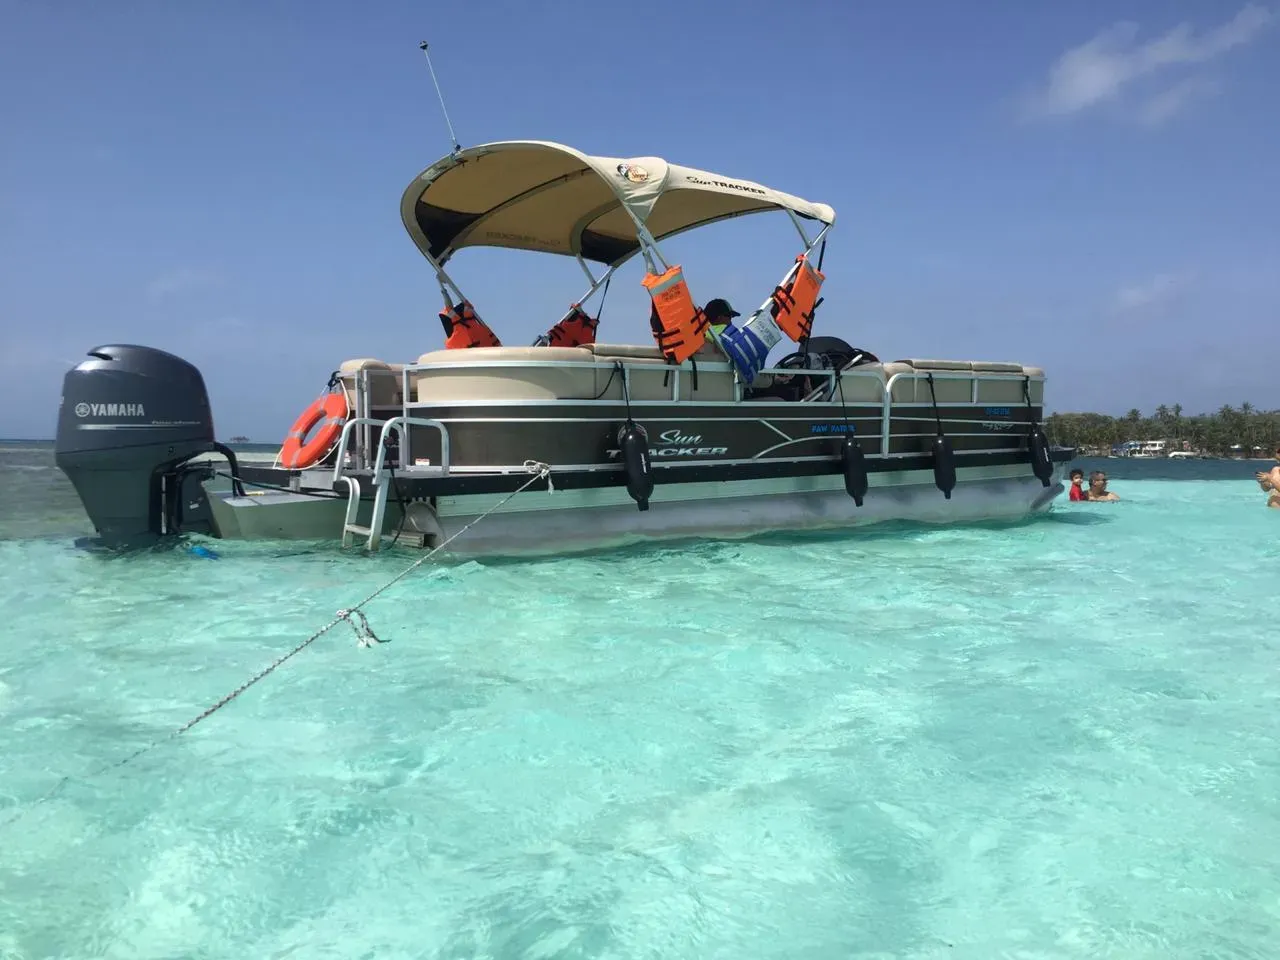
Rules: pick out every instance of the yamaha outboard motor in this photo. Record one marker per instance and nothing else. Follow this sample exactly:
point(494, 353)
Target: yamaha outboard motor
point(131, 417)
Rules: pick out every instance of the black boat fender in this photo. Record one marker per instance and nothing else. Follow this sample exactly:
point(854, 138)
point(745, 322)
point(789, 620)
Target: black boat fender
point(1041, 459)
point(634, 444)
point(944, 457)
point(944, 464)
point(855, 469)
point(855, 463)
point(1037, 442)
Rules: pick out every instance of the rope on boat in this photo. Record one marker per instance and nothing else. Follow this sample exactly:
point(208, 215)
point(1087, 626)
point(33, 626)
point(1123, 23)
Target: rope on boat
point(365, 637)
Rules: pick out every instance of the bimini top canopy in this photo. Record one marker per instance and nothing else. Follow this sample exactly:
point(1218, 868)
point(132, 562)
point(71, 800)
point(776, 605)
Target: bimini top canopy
point(534, 195)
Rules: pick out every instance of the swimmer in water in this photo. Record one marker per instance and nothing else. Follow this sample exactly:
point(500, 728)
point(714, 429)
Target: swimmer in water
point(1269, 481)
point(1077, 490)
point(1098, 487)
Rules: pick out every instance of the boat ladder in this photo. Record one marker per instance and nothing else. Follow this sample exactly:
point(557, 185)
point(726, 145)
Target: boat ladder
point(382, 479)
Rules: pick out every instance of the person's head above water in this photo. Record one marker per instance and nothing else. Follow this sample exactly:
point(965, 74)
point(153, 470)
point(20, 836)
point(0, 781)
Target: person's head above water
point(1098, 487)
point(1075, 489)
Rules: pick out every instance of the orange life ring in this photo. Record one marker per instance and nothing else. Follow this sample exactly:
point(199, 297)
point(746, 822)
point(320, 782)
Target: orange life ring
point(332, 409)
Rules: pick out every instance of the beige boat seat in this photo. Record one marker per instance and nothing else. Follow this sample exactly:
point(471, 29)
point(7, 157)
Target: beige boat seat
point(587, 373)
point(561, 373)
point(953, 381)
point(505, 373)
point(384, 380)
point(650, 376)
point(707, 352)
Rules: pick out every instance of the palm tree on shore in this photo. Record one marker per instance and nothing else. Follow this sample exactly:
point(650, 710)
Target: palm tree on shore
point(1213, 433)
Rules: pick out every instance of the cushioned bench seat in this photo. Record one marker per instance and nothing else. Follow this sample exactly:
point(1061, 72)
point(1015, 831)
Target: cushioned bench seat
point(565, 373)
point(384, 380)
point(950, 384)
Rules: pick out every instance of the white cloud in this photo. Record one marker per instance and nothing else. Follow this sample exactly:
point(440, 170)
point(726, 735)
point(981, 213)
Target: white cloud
point(1155, 292)
point(1099, 70)
point(1167, 103)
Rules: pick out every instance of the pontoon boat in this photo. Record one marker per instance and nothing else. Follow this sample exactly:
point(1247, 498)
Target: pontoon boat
point(692, 435)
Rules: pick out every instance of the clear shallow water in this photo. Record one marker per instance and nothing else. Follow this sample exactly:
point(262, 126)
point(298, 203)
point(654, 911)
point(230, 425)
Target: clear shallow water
point(1050, 740)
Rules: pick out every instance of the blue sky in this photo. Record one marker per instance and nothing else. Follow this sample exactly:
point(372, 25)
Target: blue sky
point(1090, 187)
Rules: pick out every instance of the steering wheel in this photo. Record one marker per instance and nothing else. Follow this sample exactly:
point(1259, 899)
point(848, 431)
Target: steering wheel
point(795, 385)
point(792, 361)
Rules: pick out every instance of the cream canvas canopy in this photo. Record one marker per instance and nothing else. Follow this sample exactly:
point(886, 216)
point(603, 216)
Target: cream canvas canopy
point(537, 195)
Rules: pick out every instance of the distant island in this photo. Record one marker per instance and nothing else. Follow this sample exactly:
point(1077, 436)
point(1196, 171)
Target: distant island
point(1232, 432)
point(239, 440)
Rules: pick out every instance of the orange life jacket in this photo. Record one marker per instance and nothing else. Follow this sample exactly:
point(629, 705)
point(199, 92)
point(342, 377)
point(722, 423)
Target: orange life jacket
point(462, 328)
point(795, 301)
point(576, 330)
point(679, 327)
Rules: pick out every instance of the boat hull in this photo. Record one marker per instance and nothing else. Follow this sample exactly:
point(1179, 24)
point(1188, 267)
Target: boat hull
point(536, 522)
point(434, 448)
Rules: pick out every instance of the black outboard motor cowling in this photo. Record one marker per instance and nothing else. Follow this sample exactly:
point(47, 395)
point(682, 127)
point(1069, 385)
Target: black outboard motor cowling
point(130, 417)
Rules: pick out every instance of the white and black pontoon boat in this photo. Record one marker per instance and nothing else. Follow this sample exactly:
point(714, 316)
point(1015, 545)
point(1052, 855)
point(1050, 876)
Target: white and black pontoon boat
point(691, 436)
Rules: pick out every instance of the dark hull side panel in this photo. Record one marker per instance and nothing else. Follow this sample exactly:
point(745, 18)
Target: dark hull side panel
point(689, 443)
point(502, 435)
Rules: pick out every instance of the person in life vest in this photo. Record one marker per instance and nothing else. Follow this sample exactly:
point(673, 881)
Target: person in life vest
point(745, 350)
point(719, 313)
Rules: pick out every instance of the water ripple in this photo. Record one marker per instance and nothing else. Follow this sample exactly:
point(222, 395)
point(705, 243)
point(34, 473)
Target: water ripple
point(1053, 739)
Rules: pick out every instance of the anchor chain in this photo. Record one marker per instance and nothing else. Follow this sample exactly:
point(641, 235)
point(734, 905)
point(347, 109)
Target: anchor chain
point(365, 637)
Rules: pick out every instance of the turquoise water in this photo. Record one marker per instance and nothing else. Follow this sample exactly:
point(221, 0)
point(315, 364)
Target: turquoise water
point(1056, 739)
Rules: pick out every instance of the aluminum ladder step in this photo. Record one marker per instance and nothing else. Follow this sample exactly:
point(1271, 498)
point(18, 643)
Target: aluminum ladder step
point(413, 538)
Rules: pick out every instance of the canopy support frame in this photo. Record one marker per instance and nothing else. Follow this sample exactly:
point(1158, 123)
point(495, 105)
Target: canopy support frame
point(646, 243)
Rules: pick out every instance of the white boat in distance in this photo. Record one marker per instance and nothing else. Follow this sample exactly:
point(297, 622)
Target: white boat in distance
point(694, 434)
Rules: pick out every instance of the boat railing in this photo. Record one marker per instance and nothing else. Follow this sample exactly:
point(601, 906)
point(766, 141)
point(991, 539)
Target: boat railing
point(358, 460)
point(675, 373)
point(368, 457)
point(408, 465)
point(348, 458)
point(974, 376)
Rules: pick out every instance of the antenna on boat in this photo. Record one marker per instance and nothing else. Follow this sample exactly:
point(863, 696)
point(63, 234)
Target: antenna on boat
point(456, 146)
